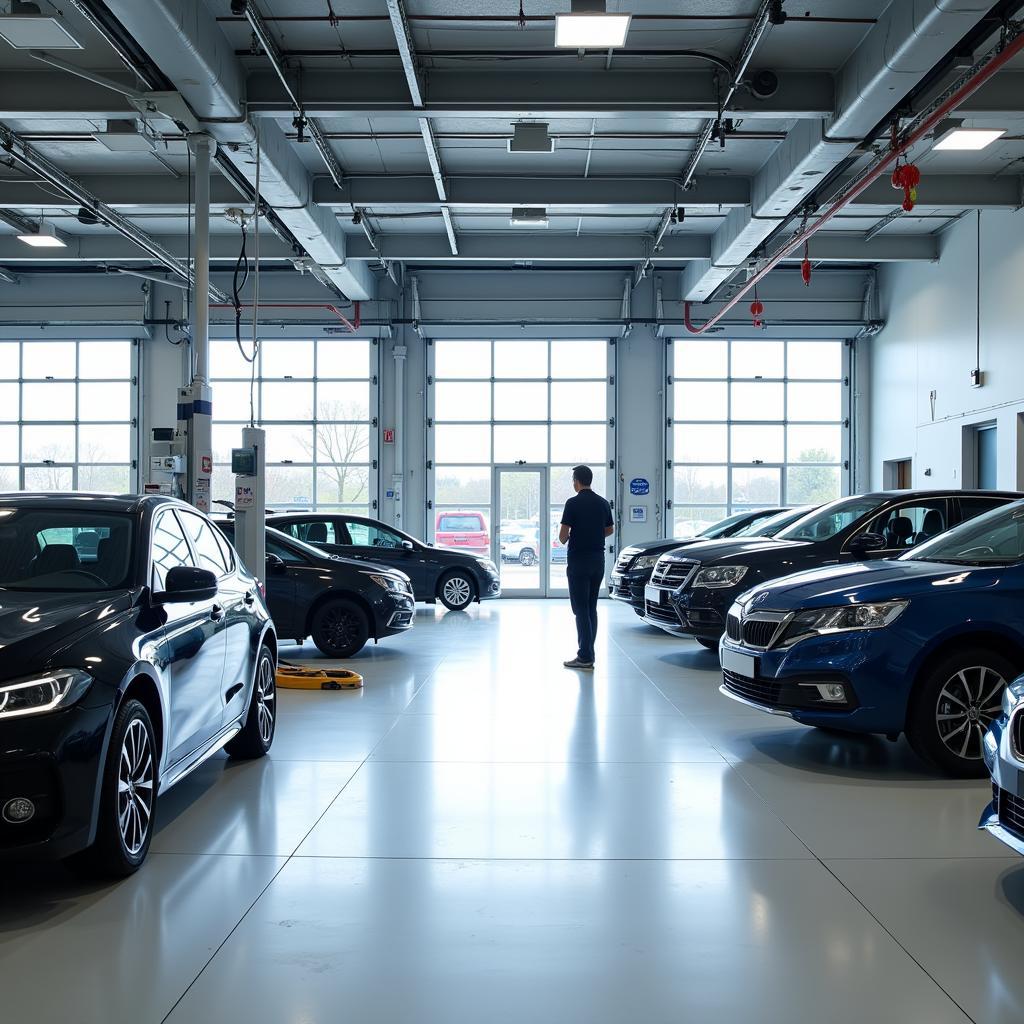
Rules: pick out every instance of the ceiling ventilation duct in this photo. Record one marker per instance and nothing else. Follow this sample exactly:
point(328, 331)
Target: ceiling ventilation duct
point(530, 138)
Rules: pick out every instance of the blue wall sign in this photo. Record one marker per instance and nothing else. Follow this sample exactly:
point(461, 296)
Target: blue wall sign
point(638, 485)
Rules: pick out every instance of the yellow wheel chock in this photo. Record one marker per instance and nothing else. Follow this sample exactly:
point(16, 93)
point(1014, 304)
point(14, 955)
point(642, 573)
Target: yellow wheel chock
point(297, 677)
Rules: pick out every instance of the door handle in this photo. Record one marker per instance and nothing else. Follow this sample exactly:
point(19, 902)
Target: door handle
point(216, 613)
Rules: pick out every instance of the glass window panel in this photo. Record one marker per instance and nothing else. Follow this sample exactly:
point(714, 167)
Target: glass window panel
point(758, 359)
point(231, 401)
point(571, 359)
point(226, 437)
point(815, 359)
point(576, 443)
point(699, 485)
point(520, 359)
point(9, 445)
point(701, 401)
point(815, 401)
point(579, 401)
point(814, 444)
point(520, 402)
point(209, 553)
point(701, 358)
point(700, 442)
point(342, 484)
point(106, 359)
point(286, 359)
point(49, 478)
point(287, 400)
point(561, 490)
point(110, 443)
point(521, 444)
point(456, 444)
point(347, 359)
point(760, 486)
point(169, 547)
point(289, 486)
point(462, 359)
point(48, 402)
point(9, 408)
point(223, 483)
point(688, 521)
point(343, 400)
point(341, 442)
point(108, 401)
point(44, 359)
point(812, 485)
point(288, 442)
point(10, 368)
point(107, 479)
point(461, 485)
point(758, 401)
point(758, 444)
point(41, 443)
point(457, 400)
point(227, 361)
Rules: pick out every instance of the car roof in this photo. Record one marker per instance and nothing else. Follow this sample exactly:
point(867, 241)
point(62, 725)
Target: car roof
point(939, 492)
point(99, 502)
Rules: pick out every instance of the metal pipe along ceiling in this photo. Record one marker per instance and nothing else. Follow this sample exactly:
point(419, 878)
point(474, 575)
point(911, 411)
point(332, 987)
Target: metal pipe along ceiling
point(973, 81)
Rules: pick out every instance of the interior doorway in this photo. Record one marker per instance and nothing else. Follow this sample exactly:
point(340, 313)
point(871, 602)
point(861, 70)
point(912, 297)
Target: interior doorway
point(521, 543)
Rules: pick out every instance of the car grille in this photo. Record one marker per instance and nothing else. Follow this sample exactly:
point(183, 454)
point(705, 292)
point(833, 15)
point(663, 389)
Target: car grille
point(672, 573)
point(1017, 733)
point(760, 691)
point(732, 628)
point(759, 632)
point(1010, 809)
point(662, 613)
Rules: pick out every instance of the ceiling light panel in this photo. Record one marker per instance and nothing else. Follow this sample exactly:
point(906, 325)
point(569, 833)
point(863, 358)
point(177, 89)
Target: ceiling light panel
point(968, 139)
point(591, 31)
point(36, 32)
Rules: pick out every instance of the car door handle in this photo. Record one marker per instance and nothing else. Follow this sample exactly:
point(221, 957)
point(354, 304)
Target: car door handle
point(216, 613)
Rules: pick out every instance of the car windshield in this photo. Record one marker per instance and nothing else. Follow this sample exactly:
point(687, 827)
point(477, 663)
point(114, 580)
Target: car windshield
point(829, 520)
point(460, 524)
point(64, 549)
point(995, 538)
point(724, 527)
point(774, 524)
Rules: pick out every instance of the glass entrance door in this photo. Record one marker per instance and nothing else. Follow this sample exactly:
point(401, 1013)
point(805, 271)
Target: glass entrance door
point(522, 539)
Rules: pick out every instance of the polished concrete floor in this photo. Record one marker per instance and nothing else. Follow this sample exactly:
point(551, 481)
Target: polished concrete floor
point(480, 835)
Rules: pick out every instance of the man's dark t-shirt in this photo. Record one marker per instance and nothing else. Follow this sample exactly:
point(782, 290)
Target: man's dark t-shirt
point(587, 515)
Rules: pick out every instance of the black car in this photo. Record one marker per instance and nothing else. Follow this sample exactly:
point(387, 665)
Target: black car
point(455, 578)
point(128, 660)
point(635, 563)
point(690, 593)
point(339, 602)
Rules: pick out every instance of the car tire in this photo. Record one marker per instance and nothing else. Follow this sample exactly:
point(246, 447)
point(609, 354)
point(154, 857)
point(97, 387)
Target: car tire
point(124, 826)
point(953, 703)
point(527, 557)
point(708, 645)
point(257, 733)
point(340, 628)
point(455, 590)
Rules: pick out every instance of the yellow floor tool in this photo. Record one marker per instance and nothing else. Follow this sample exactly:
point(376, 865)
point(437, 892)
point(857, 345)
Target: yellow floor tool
point(298, 677)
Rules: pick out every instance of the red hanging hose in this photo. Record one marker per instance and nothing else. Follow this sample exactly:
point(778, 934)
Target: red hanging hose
point(858, 185)
point(352, 325)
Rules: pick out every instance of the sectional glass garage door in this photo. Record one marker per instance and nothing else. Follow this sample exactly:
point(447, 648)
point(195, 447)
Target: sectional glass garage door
point(753, 424)
point(68, 415)
point(510, 402)
point(317, 401)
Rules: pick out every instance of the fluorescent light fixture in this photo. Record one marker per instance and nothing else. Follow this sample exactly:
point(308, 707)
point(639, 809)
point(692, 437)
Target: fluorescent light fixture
point(530, 137)
point(529, 217)
point(590, 27)
point(968, 139)
point(45, 238)
point(28, 31)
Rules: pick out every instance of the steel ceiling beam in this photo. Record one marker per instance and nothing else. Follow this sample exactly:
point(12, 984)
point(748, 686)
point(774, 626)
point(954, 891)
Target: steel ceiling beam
point(113, 249)
point(406, 50)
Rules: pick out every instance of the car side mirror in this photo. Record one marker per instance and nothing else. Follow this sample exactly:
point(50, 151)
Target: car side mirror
point(275, 563)
point(408, 545)
point(186, 583)
point(867, 542)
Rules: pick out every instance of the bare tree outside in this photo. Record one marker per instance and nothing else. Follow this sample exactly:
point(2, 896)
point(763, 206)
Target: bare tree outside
point(341, 452)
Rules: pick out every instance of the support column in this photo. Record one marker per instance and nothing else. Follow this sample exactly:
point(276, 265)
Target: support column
point(398, 470)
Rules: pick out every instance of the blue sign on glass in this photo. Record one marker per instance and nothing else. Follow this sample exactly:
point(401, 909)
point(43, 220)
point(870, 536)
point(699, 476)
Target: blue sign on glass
point(638, 485)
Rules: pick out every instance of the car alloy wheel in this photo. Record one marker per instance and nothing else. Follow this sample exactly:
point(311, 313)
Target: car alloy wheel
point(340, 627)
point(527, 557)
point(967, 705)
point(135, 790)
point(266, 697)
point(457, 591)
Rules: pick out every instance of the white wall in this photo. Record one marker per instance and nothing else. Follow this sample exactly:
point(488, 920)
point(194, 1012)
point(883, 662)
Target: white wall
point(928, 345)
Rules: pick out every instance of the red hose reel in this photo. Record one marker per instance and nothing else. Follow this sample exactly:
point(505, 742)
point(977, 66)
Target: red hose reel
point(907, 177)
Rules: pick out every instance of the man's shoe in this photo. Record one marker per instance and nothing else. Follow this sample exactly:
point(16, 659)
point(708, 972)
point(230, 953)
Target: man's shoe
point(584, 666)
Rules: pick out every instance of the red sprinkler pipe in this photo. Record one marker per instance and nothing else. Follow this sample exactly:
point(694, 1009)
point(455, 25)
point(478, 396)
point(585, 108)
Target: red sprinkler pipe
point(352, 325)
point(872, 174)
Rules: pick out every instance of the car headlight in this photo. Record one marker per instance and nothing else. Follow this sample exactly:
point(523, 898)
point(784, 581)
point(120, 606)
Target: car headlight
point(486, 563)
point(391, 583)
point(45, 692)
point(720, 577)
point(1012, 696)
point(818, 621)
point(645, 562)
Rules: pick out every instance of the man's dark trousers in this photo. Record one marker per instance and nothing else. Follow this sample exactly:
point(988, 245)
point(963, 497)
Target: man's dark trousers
point(585, 572)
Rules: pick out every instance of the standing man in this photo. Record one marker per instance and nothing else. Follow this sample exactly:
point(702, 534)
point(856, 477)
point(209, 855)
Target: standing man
point(586, 522)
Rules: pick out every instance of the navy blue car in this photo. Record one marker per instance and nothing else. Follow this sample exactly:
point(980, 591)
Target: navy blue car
point(924, 644)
